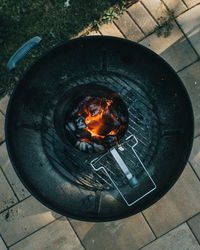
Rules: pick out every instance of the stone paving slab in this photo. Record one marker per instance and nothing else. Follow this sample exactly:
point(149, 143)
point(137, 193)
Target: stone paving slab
point(178, 205)
point(129, 28)
point(182, 202)
point(7, 197)
point(8, 169)
point(4, 103)
point(175, 49)
point(94, 33)
point(2, 245)
point(177, 6)
point(2, 134)
point(110, 29)
point(189, 22)
point(56, 236)
point(157, 9)
point(195, 156)
point(23, 219)
point(191, 79)
point(191, 3)
point(179, 238)
point(142, 18)
point(194, 224)
point(131, 233)
point(81, 227)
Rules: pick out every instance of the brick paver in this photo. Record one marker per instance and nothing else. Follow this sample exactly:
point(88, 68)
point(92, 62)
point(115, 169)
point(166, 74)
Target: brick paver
point(110, 29)
point(194, 224)
point(7, 197)
point(23, 219)
point(4, 103)
point(175, 49)
point(179, 238)
point(131, 233)
point(56, 236)
point(94, 33)
point(191, 3)
point(29, 225)
point(81, 227)
point(2, 134)
point(177, 7)
point(157, 9)
point(191, 80)
point(195, 156)
point(178, 205)
point(8, 169)
point(190, 24)
point(2, 245)
point(142, 18)
point(129, 28)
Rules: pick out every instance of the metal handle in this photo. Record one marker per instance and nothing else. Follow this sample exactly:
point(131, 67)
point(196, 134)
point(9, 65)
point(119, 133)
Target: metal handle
point(132, 179)
point(22, 51)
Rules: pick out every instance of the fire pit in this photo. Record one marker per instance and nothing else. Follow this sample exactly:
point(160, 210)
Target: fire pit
point(99, 128)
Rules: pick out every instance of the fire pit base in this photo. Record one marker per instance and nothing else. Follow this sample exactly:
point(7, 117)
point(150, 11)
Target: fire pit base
point(60, 175)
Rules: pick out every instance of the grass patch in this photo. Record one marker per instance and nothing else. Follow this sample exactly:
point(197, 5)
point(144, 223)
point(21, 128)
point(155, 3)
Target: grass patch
point(23, 19)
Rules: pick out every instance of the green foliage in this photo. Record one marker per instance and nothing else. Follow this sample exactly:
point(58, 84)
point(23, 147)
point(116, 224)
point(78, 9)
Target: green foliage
point(23, 19)
point(110, 15)
point(165, 27)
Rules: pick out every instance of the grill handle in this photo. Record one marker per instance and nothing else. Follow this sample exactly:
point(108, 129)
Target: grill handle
point(22, 51)
point(131, 178)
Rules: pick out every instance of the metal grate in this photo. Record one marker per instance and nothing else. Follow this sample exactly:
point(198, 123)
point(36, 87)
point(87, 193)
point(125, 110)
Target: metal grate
point(143, 123)
point(124, 166)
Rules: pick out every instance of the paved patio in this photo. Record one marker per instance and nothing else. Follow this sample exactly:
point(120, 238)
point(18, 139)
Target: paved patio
point(171, 223)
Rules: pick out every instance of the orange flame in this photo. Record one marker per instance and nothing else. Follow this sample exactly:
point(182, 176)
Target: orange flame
point(95, 123)
point(85, 139)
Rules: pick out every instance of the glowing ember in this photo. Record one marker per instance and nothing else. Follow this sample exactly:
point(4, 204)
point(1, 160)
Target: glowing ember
point(96, 124)
point(99, 119)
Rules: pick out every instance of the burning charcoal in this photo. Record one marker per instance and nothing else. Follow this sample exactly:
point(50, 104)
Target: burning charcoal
point(87, 98)
point(98, 148)
point(116, 123)
point(82, 134)
point(78, 144)
point(89, 148)
point(85, 146)
point(78, 133)
point(110, 140)
point(103, 103)
point(94, 109)
point(75, 111)
point(121, 129)
point(92, 124)
point(85, 134)
point(107, 124)
point(71, 125)
point(113, 111)
point(123, 119)
point(80, 122)
point(107, 114)
point(67, 127)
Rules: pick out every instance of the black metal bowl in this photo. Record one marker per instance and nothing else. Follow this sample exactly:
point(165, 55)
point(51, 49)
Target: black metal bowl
point(160, 113)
